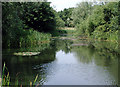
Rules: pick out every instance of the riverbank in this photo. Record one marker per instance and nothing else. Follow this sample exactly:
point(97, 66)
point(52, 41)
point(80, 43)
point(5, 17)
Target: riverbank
point(69, 53)
point(27, 39)
point(72, 33)
point(63, 31)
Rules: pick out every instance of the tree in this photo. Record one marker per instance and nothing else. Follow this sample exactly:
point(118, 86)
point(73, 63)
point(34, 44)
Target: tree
point(81, 12)
point(39, 16)
point(100, 21)
point(66, 16)
point(21, 18)
point(12, 25)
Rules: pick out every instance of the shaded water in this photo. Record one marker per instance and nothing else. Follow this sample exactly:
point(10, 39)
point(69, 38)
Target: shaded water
point(66, 62)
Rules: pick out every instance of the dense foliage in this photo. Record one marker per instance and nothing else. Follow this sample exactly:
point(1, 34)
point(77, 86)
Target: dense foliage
point(66, 16)
point(97, 21)
point(26, 23)
point(39, 16)
point(22, 21)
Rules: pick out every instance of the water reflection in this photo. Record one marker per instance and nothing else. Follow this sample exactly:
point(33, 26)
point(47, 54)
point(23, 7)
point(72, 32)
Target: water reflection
point(104, 63)
point(66, 62)
point(22, 68)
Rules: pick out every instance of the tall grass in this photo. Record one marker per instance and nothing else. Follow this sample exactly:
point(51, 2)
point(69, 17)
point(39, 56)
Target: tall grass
point(25, 38)
point(6, 78)
point(34, 38)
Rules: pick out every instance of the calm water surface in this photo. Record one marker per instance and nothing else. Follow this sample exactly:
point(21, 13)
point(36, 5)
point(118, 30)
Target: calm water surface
point(65, 62)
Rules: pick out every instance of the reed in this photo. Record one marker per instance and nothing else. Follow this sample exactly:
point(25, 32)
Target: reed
point(6, 79)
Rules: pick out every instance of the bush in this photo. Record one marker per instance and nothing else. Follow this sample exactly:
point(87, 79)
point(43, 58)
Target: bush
point(21, 20)
point(98, 21)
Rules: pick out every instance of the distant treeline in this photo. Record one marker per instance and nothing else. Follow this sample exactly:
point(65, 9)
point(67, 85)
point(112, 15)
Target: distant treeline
point(95, 20)
point(66, 16)
point(28, 23)
point(22, 23)
point(99, 21)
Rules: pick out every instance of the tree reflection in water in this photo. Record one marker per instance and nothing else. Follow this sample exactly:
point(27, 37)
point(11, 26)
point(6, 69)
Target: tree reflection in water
point(25, 68)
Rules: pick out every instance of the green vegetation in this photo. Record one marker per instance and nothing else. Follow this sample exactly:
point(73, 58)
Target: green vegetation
point(6, 78)
point(66, 16)
point(25, 73)
point(63, 32)
point(98, 21)
point(25, 24)
point(28, 27)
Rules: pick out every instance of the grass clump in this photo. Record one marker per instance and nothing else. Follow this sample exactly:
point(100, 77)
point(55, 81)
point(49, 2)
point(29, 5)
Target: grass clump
point(5, 77)
point(6, 81)
point(34, 38)
point(27, 38)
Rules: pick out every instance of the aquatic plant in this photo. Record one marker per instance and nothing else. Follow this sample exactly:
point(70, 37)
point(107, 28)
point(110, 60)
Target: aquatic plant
point(5, 77)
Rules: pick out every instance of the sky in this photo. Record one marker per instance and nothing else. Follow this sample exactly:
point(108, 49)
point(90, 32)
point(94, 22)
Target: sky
point(61, 4)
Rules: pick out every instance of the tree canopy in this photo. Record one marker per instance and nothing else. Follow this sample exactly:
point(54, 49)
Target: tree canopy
point(66, 16)
point(97, 21)
point(20, 17)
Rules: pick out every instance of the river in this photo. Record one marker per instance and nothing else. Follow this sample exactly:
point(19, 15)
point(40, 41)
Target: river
point(65, 61)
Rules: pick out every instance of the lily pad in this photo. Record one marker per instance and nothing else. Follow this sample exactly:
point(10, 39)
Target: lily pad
point(26, 53)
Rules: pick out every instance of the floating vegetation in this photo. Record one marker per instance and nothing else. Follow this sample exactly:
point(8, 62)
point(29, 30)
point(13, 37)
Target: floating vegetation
point(26, 53)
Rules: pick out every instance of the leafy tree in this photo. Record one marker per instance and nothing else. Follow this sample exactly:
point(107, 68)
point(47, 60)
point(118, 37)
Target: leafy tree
point(81, 12)
point(66, 16)
point(39, 16)
point(59, 21)
point(100, 21)
point(22, 18)
point(12, 24)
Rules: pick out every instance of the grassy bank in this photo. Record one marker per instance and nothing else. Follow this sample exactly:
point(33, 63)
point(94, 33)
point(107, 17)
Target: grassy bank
point(27, 38)
point(63, 31)
point(34, 38)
